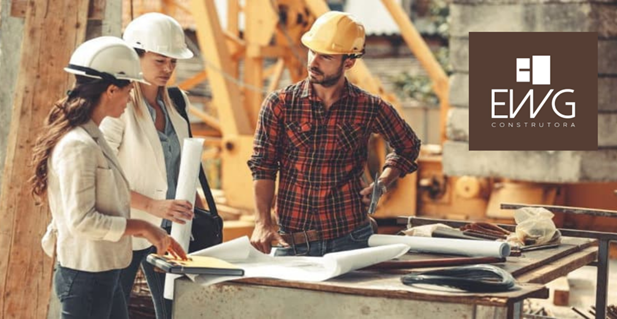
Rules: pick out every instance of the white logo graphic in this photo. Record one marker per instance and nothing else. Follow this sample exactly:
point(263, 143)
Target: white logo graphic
point(540, 71)
point(541, 74)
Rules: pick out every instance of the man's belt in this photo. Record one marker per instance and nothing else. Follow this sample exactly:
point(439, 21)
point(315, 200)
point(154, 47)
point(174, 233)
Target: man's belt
point(302, 237)
point(310, 236)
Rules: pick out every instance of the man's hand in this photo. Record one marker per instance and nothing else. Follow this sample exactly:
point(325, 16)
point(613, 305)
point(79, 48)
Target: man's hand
point(367, 192)
point(263, 236)
point(388, 175)
point(175, 210)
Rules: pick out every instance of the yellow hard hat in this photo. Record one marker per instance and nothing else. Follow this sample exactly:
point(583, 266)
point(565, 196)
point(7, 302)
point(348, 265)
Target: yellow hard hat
point(336, 33)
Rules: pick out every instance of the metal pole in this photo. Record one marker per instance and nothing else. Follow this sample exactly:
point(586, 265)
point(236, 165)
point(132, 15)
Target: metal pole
point(602, 279)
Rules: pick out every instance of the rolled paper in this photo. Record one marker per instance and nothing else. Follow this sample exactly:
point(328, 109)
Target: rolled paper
point(448, 246)
point(188, 176)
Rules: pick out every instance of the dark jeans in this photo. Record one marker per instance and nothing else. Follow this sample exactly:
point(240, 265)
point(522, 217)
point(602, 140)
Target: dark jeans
point(156, 282)
point(358, 238)
point(94, 295)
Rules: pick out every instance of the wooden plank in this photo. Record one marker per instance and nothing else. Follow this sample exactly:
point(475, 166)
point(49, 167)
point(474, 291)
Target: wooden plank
point(18, 8)
point(561, 291)
point(96, 9)
point(561, 267)
point(539, 258)
point(25, 271)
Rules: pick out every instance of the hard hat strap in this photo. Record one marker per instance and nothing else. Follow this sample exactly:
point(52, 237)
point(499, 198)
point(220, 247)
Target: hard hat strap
point(92, 72)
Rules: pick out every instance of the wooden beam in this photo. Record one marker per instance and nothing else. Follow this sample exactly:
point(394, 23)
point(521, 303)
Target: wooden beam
point(233, 17)
point(25, 270)
point(268, 51)
point(18, 8)
point(279, 67)
point(236, 47)
point(420, 49)
point(234, 120)
point(261, 23)
point(96, 9)
point(206, 118)
point(193, 81)
point(561, 291)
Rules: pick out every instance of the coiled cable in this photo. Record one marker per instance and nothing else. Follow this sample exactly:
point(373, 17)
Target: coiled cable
point(476, 278)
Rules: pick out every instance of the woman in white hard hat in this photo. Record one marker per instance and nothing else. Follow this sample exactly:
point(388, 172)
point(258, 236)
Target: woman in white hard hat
point(148, 140)
point(87, 191)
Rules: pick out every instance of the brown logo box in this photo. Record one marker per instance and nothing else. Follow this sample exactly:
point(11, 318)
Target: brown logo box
point(533, 91)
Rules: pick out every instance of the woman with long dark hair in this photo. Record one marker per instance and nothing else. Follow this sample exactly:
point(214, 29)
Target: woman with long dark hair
point(86, 188)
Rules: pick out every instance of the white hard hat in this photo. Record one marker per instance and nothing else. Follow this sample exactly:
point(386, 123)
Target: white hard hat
point(158, 33)
point(107, 58)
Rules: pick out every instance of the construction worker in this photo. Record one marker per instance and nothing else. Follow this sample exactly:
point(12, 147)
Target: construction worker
point(315, 134)
point(147, 139)
point(87, 190)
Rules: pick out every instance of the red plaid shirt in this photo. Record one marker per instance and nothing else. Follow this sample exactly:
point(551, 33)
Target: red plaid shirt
point(321, 155)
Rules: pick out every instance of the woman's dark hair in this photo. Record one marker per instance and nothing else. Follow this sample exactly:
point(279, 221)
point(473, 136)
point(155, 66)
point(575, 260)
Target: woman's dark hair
point(73, 110)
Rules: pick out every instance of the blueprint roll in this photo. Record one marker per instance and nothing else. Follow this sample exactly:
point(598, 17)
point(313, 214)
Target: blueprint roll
point(471, 248)
point(190, 162)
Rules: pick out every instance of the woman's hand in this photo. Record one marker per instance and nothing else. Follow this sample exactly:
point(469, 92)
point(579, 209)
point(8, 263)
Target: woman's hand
point(175, 210)
point(155, 235)
point(163, 242)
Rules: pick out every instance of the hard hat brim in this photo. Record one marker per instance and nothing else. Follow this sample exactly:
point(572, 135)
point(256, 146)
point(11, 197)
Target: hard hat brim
point(182, 54)
point(319, 47)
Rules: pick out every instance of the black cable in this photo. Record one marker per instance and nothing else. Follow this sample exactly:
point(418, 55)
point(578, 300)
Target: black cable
point(476, 278)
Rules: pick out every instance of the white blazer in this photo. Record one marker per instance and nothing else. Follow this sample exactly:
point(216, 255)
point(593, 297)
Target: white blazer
point(136, 142)
point(89, 200)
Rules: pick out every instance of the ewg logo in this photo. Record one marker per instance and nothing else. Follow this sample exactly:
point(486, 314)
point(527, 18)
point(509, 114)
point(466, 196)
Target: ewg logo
point(532, 91)
point(540, 75)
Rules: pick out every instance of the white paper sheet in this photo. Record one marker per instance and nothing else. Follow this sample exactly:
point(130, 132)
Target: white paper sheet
point(256, 264)
point(473, 248)
point(188, 175)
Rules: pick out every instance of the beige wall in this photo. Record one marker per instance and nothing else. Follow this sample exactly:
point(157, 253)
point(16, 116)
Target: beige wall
point(425, 122)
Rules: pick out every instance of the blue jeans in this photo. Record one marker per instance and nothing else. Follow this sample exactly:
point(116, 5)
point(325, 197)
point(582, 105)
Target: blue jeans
point(156, 282)
point(358, 238)
point(94, 295)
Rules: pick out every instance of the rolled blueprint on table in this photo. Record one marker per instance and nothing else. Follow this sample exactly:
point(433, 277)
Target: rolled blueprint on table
point(472, 248)
point(190, 162)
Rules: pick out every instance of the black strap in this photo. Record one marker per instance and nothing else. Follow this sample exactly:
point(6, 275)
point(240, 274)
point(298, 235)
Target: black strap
point(178, 99)
point(92, 72)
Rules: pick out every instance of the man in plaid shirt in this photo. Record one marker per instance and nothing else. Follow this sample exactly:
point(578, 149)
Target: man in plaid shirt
point(315, 134)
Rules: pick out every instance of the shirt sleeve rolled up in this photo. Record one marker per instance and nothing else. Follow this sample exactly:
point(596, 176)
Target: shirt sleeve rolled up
point(403, 140)
point(264, 162)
